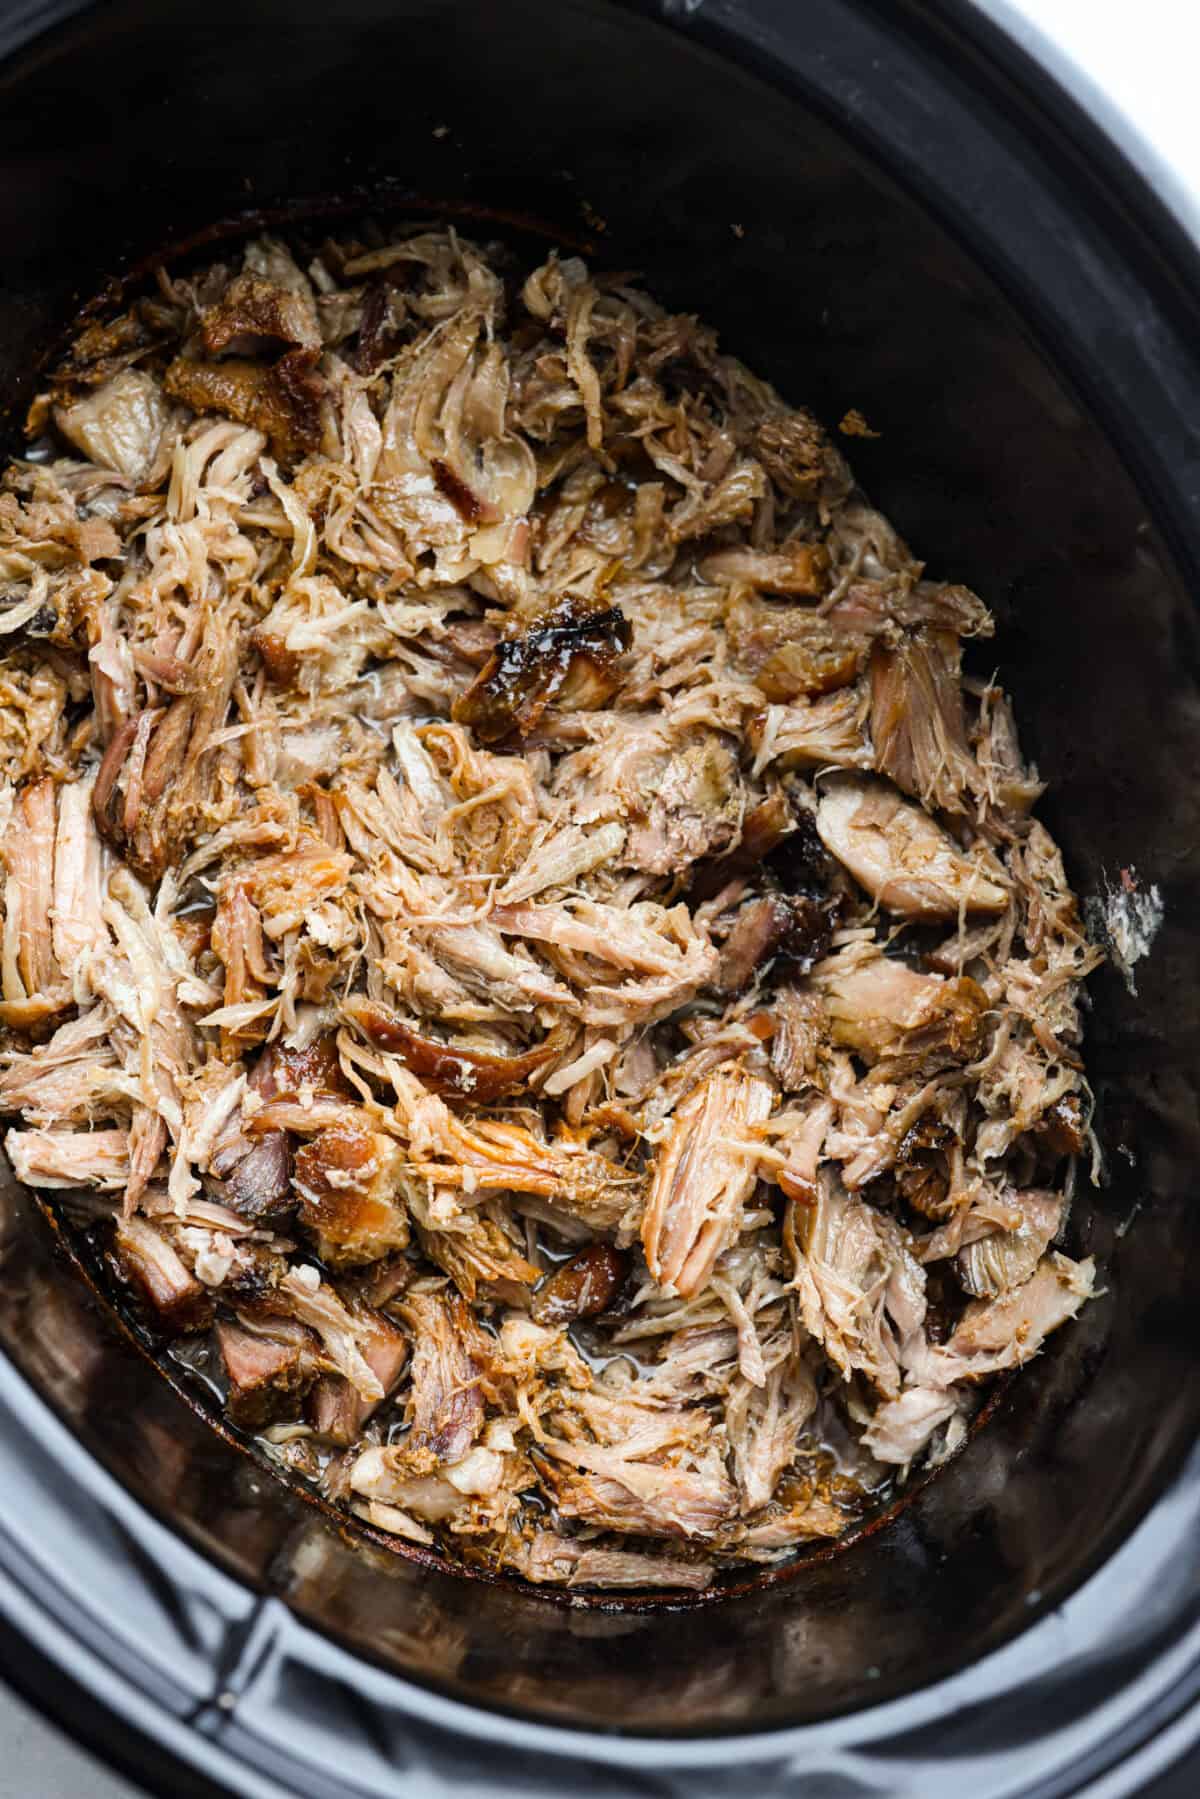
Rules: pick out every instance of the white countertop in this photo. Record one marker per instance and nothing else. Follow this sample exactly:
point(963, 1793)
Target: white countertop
point(1134, 69)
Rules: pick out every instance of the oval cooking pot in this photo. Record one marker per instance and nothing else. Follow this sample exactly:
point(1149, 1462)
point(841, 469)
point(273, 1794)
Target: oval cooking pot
point(881, 206)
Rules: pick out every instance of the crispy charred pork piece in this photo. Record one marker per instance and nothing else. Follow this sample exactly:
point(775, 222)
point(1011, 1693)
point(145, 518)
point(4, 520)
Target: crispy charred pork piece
point(255, 313)
point(471, 1074)
point(1061, 1129)
point(282, 401)
point(568, 657)
point(106, 346)
point(256, 1165)
point(581, 1287)
point(777, 924)
point(510, 905)
point(349, 1182)
point(927, 1159)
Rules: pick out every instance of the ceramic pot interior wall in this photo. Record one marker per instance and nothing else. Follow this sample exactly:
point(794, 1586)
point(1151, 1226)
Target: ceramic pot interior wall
point(146, 121)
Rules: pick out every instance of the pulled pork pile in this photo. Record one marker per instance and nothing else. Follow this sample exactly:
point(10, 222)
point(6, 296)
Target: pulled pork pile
point(519, 939)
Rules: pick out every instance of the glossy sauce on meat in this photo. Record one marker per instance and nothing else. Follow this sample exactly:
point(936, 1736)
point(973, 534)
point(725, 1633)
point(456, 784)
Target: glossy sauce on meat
point(539, 957)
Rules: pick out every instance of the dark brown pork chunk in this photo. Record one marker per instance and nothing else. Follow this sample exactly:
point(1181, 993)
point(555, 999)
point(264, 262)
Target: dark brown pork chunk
point(796, 927)
point(582, 1287)
point(348, 1183)
point(254, 312)
point(283, 400)
point(259, 1186)
point(147, 1261)
point(337, 1409)
point(568, 656)
point(268, 1372)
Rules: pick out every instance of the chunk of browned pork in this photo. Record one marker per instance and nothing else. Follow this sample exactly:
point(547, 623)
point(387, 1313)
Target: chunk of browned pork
point(349, 1182)
point(147, 1261)
point(336, 1406)
point(268, 1370)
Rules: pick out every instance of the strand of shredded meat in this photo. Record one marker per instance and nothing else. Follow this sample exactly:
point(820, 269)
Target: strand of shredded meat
point(515, 915)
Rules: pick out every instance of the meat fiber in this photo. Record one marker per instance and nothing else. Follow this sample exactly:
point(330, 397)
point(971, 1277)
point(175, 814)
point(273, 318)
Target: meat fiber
point(882, 1009)
point(515, 921)
point(862, 1295)
point(1004, 1259)
point(918, 722)
point(449, 1359)
point(337, 1407)
point(703, 1178)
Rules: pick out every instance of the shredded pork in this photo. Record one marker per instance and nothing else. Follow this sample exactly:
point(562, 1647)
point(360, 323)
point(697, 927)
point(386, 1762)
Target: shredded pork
point(515, 917)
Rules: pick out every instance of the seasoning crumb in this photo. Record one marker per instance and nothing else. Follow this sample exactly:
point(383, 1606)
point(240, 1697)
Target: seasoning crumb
point(855, 425)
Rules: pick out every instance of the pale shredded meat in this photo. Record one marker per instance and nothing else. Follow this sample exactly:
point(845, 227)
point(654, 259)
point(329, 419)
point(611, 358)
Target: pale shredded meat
point(517, 924)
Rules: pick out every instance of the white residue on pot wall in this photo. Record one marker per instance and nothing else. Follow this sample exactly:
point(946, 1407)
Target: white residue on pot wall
point(1126, 918)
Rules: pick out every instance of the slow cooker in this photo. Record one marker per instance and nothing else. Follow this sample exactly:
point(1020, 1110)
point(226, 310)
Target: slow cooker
point(881, 205)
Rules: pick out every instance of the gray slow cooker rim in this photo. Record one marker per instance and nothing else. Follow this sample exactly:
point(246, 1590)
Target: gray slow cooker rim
point(1147, 237)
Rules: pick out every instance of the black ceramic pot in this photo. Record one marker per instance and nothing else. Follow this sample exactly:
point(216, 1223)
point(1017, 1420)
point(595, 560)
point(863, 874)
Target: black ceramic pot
point(881, 206)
